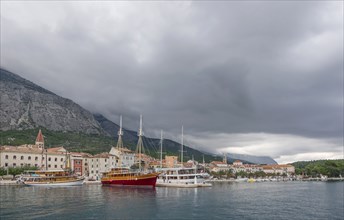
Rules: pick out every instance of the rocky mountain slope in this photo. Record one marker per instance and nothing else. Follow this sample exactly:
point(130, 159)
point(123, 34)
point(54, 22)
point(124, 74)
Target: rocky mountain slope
point(24, 105)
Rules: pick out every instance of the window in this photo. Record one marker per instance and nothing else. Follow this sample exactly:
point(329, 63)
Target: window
point(14, 164)
point(22, 157)
point(36, 165)
point(6, 164)
point(29, 158)
point(6, 157)
point(36, 158)
point(105, 160)
point(55, 166)
point(49, 159)
point(21, 165)
point(42, 158)
point(14, 157)
point(49, 165)
point(61, 159)
point(55, 158)
point(92, 171)
point(61, 166)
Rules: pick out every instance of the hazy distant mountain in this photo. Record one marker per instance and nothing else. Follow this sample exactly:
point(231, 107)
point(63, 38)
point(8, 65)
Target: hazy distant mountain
point(25, 105)
point(252, 159)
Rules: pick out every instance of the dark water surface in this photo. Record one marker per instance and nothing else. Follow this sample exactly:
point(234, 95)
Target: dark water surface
point(267, 200)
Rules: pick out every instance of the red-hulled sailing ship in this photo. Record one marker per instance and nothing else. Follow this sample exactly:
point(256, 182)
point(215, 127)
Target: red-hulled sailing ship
point(122, 176)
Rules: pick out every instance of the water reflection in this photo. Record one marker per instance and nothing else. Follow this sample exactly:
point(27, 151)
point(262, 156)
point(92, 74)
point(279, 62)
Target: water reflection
point(222, 201)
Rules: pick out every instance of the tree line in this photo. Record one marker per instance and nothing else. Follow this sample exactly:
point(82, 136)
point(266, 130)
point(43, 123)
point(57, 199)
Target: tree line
point(330, 168)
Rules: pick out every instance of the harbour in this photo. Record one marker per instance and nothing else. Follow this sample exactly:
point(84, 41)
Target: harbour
point(224, 200)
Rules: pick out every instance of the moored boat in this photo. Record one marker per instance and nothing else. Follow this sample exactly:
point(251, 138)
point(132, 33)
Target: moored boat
point(123, 176)
point(182, 177)
point(50, 178)
point(126, 177)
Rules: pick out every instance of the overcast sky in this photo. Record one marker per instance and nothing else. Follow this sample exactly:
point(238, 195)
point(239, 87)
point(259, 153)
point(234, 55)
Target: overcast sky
point(260, 78)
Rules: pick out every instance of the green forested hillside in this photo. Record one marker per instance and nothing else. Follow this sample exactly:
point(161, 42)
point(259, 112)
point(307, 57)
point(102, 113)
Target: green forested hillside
point(331, 168)
point(80, 142)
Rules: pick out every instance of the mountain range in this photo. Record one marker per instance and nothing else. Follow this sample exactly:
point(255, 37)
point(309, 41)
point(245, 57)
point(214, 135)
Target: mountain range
point(25, 106)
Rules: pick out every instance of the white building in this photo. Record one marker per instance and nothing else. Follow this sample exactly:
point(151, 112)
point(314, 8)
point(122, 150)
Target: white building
point(33, 155)
point(218, 166)
point(279, 169)
point(100, 163)
point(125, 156)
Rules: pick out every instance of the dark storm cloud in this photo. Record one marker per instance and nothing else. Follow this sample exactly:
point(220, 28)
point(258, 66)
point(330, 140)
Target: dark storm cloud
point(216, 67)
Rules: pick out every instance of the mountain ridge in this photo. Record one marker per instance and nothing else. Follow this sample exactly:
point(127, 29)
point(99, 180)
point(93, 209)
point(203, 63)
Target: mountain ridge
point(25, 105)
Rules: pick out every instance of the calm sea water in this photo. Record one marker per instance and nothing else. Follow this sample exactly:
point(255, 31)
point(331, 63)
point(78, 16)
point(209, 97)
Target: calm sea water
point(267, 200)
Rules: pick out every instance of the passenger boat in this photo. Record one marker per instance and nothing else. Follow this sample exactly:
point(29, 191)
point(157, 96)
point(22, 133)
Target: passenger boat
point(124, 176)
point(182, 177)
point(50, 178)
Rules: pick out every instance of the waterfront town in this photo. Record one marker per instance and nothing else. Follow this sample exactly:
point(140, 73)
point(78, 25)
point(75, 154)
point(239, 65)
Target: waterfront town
point(93, 166)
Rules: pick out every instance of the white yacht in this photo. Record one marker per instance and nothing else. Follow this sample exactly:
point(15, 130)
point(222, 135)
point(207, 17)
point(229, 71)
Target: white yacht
point(182, 177)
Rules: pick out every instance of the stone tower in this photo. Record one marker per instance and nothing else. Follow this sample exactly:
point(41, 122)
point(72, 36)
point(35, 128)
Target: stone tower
point(40, 140)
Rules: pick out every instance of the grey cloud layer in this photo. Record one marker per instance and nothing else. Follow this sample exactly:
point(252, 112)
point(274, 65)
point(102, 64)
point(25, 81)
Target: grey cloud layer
point(228, 67)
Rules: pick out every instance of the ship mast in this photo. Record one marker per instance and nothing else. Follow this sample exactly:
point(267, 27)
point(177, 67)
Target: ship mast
point(182, 146)
point(120, 134)
point(161, 150)
point(139, 143)
point(119, 145)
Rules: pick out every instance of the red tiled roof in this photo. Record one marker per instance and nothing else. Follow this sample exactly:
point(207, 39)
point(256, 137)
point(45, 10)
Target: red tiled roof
point(40, 136)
